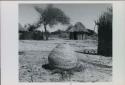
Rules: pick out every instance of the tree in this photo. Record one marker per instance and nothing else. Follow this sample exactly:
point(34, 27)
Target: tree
point(51, 16)
point(105, 33)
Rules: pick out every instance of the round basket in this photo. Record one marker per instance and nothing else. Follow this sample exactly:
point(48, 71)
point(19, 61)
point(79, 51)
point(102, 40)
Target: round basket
point(63, 57)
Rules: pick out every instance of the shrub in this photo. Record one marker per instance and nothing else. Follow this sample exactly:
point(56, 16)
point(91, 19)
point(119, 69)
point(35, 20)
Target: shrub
point(35, 35)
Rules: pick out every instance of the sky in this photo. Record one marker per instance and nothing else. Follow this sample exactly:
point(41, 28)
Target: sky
point(87, 14)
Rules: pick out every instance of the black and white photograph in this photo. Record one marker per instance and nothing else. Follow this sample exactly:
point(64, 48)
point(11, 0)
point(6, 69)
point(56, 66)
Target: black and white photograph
point(65, 42)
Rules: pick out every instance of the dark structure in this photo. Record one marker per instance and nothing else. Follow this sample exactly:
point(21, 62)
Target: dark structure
point(105, 34)
point(77, 32)
point(25, 34)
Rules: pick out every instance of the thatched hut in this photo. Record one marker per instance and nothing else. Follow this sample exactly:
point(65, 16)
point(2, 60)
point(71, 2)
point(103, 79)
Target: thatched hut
point(77, 32)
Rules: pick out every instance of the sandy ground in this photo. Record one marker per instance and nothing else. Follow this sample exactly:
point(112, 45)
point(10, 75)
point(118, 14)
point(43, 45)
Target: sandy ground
point(33, 54)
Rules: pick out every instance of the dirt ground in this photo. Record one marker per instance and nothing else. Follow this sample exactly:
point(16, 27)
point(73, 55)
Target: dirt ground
point(34, 54)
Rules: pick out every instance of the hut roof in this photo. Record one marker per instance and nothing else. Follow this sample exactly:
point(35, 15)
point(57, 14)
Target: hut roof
point(78, 27)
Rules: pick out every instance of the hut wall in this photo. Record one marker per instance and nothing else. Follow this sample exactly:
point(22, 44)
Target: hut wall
point(77, 36)
point(71, 36)
point(81, 36)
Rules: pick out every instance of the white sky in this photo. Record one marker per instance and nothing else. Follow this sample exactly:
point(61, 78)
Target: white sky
point(85, 13)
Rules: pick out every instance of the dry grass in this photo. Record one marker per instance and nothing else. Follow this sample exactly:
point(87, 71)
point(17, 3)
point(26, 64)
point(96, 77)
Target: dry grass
point(34, 54)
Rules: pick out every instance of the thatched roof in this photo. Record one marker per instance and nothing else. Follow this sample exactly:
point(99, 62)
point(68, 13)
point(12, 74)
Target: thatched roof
point(78, 27)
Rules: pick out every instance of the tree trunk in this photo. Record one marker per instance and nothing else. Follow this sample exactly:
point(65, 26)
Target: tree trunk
point(46, 36)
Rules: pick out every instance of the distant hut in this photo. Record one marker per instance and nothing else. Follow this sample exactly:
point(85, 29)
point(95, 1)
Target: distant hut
point(77, 32)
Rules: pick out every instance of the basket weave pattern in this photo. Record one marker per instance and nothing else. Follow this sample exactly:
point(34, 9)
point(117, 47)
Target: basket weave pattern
point(63, 57)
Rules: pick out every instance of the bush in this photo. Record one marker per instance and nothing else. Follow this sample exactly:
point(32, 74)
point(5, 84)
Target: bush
point(35, 35)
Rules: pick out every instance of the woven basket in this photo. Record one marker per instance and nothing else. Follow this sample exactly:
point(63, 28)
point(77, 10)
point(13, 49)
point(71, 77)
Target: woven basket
point(63, 57)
